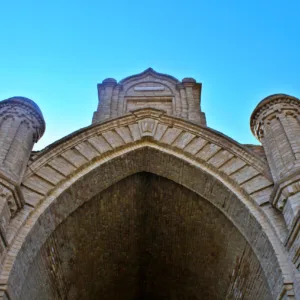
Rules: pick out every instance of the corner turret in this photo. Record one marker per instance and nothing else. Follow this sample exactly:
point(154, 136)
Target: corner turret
point(276, 123)
point(21, 125)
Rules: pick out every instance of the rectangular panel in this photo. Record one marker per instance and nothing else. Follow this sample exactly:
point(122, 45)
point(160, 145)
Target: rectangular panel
point(149, 88)
point(158, 103)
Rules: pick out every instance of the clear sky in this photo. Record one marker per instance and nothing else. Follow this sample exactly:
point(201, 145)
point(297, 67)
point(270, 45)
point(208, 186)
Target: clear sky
point(55, 52)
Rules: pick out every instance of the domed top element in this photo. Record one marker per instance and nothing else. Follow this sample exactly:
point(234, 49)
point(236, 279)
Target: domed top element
point(266, 106)
point(188, 80)
point(27, 103)
point(109, 80)
point(274, 99)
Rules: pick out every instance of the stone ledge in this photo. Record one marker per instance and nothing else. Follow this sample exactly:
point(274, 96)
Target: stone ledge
point(285, 188)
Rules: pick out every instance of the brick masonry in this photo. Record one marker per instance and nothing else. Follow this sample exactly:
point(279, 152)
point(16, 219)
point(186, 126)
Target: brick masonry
point(146, 238)
point(150, 155)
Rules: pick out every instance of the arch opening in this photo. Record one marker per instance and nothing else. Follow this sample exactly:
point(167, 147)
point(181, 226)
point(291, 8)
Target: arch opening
point(100, 176)
point(146, 237)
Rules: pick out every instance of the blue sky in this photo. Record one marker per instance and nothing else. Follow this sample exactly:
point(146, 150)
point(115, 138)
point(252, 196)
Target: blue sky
point(55, 52)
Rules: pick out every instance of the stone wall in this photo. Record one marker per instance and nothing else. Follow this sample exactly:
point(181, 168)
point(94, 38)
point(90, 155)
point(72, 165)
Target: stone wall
point(248, 205)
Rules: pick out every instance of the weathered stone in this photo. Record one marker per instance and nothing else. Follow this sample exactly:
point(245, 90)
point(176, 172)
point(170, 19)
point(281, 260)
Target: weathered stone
point(150, 89)
point(154, 240)
point(21, 125)
point(150, 203)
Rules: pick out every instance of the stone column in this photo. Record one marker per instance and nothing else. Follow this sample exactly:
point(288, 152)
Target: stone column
point(21, 125)
point(105, 93)
point(193, 94)
point(184, 103)
point(275, 122)
point(115, 101)
point(193, 106)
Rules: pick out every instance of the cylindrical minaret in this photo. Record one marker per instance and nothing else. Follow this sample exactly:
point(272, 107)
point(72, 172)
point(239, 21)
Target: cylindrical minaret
point(21, 125)
point(276, 123)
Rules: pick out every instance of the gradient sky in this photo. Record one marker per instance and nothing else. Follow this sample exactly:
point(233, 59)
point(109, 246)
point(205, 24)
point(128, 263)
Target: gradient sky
point(55, 52)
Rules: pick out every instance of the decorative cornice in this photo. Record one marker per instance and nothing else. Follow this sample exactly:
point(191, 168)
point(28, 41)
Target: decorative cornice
point(149, 71)
point(267, 104)
point(17, 200)
point(30, 107)
point(283, 189)
point(134, 117)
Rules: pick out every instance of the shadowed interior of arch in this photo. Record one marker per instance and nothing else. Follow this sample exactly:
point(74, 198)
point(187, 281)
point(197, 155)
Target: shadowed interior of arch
point(146, 237)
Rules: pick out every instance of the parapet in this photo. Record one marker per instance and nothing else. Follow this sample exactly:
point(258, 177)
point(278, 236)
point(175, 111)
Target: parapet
point(150, 89)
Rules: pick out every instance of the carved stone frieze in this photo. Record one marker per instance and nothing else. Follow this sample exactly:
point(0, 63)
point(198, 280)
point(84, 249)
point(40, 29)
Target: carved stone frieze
point(25, 109)
point(271, 106)
point(286, 188)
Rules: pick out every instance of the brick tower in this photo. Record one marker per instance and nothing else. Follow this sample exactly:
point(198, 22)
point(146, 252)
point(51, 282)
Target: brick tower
point(21, 125)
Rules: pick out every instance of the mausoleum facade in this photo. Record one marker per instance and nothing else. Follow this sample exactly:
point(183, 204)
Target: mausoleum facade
point(148, 202)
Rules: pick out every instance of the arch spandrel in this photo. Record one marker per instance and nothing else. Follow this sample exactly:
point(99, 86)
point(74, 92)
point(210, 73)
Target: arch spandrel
point(211, 148)
point(232, 162)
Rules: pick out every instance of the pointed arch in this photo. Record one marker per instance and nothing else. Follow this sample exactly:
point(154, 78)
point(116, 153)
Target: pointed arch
point(70, 172)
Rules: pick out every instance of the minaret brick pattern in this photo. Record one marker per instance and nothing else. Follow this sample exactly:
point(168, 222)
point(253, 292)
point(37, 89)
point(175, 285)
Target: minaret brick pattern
point(21, 125)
